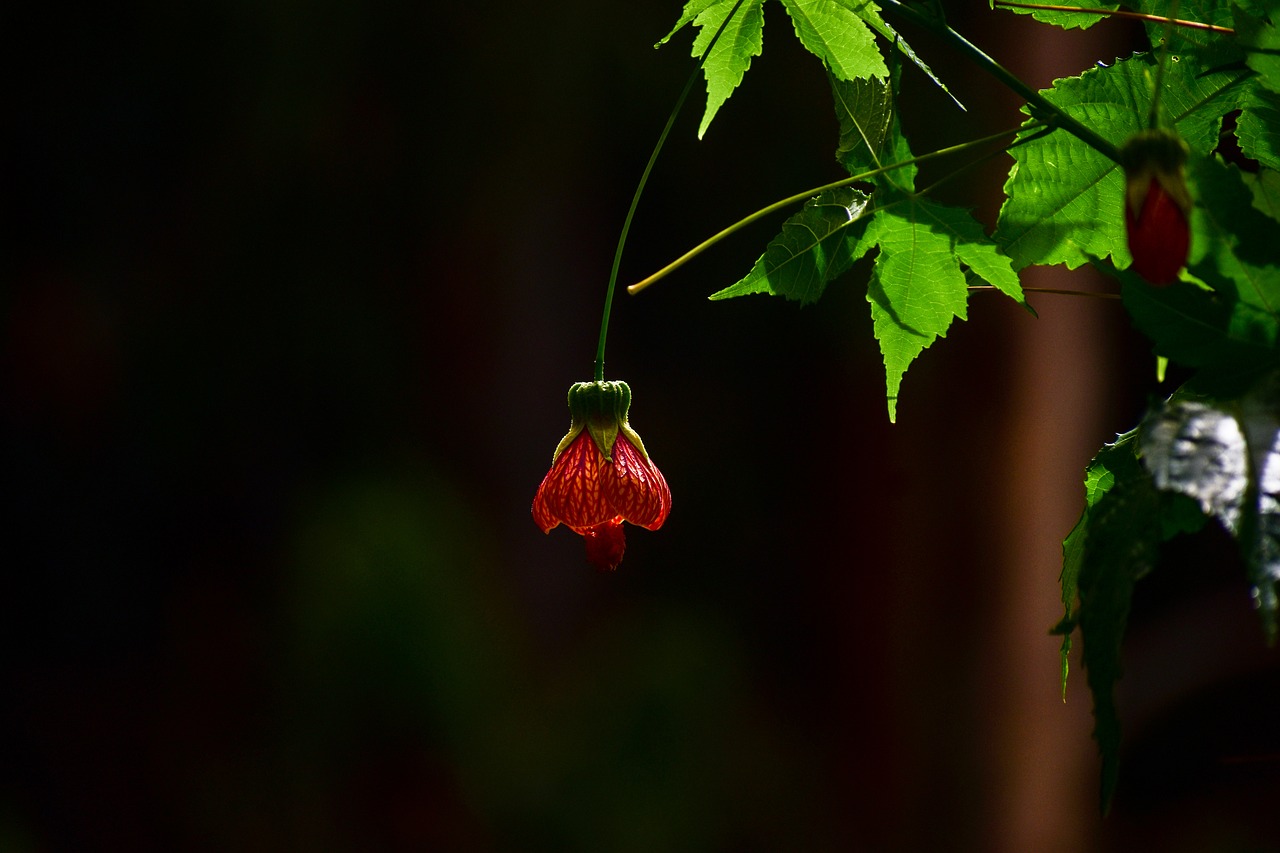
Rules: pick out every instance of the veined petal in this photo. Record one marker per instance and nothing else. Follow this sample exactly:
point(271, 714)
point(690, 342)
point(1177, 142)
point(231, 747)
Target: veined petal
point(571, 492)
point(634, 488)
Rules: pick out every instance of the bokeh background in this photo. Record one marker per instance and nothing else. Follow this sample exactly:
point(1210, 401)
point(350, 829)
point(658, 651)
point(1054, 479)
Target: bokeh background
point(293, 293)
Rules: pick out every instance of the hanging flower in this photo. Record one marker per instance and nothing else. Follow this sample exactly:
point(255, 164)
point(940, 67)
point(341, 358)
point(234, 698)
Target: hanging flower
point(1157, 205)
point(601, 476)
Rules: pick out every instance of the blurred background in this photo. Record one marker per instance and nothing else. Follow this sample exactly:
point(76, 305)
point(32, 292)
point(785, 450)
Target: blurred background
point(293, 293)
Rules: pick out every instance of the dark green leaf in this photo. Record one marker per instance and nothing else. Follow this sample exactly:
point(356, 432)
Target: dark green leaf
point(1256, 126)
point(1260, 39)
point(864, 109)
point(1121, 545)
point(815, 245)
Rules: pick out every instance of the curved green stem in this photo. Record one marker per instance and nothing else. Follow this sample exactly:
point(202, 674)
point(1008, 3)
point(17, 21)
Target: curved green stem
point(802, 196)
point(1041, 107)
point(644, 178)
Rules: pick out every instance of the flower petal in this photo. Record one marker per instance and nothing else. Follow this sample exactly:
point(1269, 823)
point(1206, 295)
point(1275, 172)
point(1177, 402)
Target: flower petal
point(1159, 236)
point(571, 493)
point(634, 488)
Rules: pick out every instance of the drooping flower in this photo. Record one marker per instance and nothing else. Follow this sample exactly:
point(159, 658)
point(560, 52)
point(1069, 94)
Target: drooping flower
point(1157, 206)
point(601, 476)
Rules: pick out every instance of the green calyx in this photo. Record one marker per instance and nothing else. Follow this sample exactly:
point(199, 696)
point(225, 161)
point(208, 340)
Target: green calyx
point(601, 408)
point(1158, 154)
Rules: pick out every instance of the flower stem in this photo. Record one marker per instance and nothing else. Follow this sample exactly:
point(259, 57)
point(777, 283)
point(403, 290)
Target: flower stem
point(1041, 107)
point(644, 178)
point(803, 196)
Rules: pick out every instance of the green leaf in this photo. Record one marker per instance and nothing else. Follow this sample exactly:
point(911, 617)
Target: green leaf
point(1235, 244)
point(918, 287)
point(1195, 328)
point(1065, 20)
point(815, 245)
point(1260, 39)
point(1098, 480)
point(1065, 200)
point(864, 110)
point(870, 15)
point(1256, 126)
point(838, 36)
point(1120, 546)
point(730, 58)
point(1265, 187)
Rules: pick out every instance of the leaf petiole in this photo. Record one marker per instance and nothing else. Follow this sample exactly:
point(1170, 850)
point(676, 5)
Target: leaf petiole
point(802, 196)
point(1119, 13)
point(1041, 107)
point(644, 178)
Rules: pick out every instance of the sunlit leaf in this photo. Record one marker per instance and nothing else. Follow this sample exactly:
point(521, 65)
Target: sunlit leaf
point(1065, 20)
point(1065, 200)
point(839, 37)
point(918, 287)
point(731, 55)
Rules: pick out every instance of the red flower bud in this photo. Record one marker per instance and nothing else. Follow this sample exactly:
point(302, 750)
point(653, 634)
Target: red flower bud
point(601, 476)
point(1157, 205)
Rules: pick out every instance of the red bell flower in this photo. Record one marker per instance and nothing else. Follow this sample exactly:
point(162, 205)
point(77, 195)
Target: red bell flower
point(601, 475)
point(1157, 205)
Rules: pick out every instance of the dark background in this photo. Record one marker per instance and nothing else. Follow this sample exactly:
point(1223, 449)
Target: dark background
point(292, 297)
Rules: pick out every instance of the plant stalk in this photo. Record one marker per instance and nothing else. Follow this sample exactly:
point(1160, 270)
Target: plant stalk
point(644, 178)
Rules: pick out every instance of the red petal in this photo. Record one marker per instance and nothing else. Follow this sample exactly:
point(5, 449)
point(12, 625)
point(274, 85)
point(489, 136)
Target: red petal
point(570, 493)
point(605, 545)
point(634, 487)
point(1159, 236)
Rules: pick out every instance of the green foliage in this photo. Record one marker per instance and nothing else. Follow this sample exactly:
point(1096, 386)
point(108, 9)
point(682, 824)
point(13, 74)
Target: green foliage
point(1066, 20)
point(1212, 451)
point(1066, 200)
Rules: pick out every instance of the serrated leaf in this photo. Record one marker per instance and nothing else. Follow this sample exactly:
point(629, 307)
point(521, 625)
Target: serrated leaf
point(1237, 245)
point(918, 287)
point(1065, 20)
point(692, 9)
point(1260, 39)
point(838, 36)
point(870, 14)
point(815, 246)
point(1098, 480)
point(1065, 200)
point(1191, 326)
point(1256, 125)
point(864, 110)
point(731, 55)
point(1121, 546)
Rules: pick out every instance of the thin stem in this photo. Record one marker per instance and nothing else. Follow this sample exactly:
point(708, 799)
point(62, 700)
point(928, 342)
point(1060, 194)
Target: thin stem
point(644, 178)
point(803, 196)
point(1120, 13)
point(1153, 115)
point(1055, 290)
point(1042, 108)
